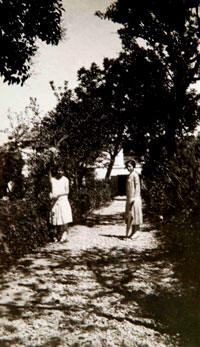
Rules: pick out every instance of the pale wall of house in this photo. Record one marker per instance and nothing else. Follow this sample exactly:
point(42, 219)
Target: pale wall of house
point(119, 168)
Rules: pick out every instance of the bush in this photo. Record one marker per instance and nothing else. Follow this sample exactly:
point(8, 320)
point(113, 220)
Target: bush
point(22, 229)
point(24, 223)
point(89, 197)
point(173, 189)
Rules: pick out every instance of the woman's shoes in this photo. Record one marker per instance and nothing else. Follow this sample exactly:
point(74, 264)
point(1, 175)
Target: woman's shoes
point(64, 237)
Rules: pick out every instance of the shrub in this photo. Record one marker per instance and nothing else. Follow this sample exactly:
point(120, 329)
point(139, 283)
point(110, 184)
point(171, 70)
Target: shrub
point(92, 195)
point(21, 226)
point(173, 189)
point(24, 223)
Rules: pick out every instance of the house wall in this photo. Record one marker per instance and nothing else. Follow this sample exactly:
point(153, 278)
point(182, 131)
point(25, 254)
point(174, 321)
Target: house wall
point(118, 174)
point(118, 167)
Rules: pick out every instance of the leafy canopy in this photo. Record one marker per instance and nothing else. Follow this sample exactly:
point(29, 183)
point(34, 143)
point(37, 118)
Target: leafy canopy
point(161, 53)
point(22, 22)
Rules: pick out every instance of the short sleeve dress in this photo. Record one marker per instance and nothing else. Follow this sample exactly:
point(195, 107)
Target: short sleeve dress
point(61, 212)
point(133, 193)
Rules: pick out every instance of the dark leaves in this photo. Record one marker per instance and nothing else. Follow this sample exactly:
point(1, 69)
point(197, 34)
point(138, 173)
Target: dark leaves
point(22, 22)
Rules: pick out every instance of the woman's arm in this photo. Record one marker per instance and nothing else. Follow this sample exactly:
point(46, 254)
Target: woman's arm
point(137, 185)
point(133, 191)
point(66, 187)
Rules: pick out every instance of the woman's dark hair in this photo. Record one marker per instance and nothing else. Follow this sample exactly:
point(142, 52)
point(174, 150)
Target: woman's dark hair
point(132, 162)
point(56, 169)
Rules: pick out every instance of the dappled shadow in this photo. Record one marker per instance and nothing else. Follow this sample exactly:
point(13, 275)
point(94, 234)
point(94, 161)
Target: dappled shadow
point(117, 285)
point(95, 219)
point(116, 236)
point(150, 293)
point(132, 293)
point(146, 227)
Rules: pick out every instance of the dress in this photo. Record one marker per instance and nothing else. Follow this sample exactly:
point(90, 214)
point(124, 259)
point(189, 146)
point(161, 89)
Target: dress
point(133, 194)
point(61, 212)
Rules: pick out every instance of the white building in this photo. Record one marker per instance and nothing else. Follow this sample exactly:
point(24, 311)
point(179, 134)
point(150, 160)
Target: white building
point(118, 169)
point(119, 172)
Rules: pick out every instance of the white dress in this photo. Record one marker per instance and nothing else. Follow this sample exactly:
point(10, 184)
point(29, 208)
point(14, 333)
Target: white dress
point(61, 212)
point(134, 194)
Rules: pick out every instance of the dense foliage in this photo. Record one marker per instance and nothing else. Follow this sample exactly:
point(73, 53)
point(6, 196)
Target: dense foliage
point(173, 189)
point(92, 195)
point(22, 228)
point(24, 217)
point(11, 164)
point(161, 53)
point(22, 22)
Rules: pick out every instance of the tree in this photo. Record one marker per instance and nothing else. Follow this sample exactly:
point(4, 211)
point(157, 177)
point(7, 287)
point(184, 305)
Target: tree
point(129, 97)
point(99, 99)
point(65, 128)
point(22, 22)
point(85, 122)
point(161, 45)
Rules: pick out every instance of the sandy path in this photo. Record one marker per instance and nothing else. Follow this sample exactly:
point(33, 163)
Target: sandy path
point(95, 289)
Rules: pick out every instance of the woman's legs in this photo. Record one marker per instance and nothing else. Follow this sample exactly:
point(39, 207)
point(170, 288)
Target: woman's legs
point(129, 220)
point(59, 232)
point(135, 227)
point(65, 232)
point(53, 232)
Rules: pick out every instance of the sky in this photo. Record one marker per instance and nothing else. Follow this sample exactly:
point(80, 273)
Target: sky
point(87, 39)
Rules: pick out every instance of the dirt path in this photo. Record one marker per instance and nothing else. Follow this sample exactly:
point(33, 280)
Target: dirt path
point(95, 289)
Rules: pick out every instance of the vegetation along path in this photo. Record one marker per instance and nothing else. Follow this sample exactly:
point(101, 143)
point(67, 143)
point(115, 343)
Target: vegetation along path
point(95, 289)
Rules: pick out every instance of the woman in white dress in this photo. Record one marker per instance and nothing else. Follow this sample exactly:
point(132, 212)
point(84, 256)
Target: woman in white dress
point(61, 213)
point(133, 214)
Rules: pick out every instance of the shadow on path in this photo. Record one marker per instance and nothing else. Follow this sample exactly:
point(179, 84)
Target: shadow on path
point(116, 236)
point(134, 297)
point(105, 219)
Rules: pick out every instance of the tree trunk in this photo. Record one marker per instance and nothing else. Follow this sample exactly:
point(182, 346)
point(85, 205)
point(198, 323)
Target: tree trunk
point(112, 160)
